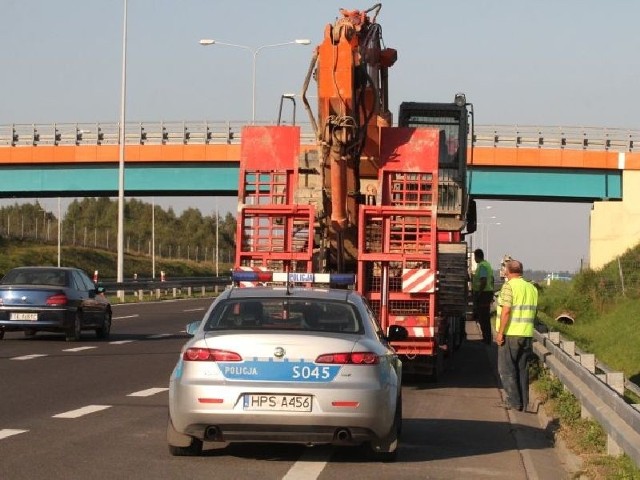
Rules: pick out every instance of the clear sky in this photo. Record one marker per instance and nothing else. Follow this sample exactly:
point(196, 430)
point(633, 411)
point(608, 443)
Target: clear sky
point(544, 62)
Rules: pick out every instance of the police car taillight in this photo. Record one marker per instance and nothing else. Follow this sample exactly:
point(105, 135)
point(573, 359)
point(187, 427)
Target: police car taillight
point(209, 355)
point(57, 300)
point(353, 358)
point(294, 277)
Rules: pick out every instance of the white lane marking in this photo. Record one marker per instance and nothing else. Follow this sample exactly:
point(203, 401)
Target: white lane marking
point(309, 465)
point(148, 392)
point(160, 335)
point(78, 349)
point(125, 316)
point(7, 432)
point(121, 342)
point(29, 357)
point(194, 310)
point(82, 411)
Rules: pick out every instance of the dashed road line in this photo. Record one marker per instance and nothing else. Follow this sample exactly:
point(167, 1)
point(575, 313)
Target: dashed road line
point(121, 342)
point(8, 432)
point(78, 349)
point(29, 357)
point(309, 465)
point(194, 309)
point(148, 392)
point(82, 411)
point(125, 316)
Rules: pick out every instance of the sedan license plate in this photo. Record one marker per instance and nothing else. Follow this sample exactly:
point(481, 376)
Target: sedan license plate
point(23, 316)
point(278, 403)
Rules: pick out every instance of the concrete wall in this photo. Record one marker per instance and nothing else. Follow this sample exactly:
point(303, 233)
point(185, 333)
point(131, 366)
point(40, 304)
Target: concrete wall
point(615, 226)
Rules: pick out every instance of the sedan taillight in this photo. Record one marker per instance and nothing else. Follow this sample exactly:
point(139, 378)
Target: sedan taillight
point(210, 355)
point(353, 358)
point(57, 300)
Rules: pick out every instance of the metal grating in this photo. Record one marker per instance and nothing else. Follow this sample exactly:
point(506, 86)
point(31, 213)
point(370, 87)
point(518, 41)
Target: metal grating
point(411, 189)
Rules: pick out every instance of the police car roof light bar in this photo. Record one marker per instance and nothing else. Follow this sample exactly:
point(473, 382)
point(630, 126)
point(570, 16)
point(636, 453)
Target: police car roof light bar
point(294, 277)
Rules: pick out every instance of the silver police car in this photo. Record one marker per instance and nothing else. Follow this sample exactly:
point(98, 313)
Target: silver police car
point(282, 364)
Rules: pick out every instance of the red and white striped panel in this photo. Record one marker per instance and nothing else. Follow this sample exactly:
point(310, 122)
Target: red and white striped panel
point(252, 269)
point(418, 280)
point(421, 332)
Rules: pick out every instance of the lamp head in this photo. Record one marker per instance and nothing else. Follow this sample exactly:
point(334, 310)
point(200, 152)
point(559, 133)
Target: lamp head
point(302, 41)
point(207, 41)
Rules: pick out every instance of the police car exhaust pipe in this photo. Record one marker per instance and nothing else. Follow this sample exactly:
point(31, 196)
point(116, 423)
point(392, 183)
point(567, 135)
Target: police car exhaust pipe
point(343, 434)
point(211, 433)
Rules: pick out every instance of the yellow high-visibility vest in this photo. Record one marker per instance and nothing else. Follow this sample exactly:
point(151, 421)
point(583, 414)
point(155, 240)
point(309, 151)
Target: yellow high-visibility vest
point(524, 305)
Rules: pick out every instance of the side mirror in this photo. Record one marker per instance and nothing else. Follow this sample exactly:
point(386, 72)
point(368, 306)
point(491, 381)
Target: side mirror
point(397, 333)
point(100, 289)
point(192, 328)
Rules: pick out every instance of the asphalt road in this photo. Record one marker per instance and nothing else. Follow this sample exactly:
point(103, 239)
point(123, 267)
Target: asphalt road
point(97, 410)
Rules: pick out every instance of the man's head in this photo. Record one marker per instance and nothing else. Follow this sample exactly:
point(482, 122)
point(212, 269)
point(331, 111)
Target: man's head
point(514, 268)
point(478, 255)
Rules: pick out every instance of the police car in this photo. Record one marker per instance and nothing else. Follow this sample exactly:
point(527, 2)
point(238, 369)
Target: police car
point(287, 364)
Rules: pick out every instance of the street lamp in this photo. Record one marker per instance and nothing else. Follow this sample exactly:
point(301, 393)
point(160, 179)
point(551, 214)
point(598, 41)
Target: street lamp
point(153, 238)
point(120, 242)
point(59, 229)
point(299, 41)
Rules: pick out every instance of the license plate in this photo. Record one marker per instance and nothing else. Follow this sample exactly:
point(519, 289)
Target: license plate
point(23, 316)
point(278, 403)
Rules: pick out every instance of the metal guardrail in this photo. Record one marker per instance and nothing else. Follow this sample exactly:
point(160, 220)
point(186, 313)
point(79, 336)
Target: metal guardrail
point(158, 289)
point(224, 132)
point(600, 394)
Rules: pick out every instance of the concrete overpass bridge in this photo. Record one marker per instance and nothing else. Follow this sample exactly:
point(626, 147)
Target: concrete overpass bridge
point(565, 164)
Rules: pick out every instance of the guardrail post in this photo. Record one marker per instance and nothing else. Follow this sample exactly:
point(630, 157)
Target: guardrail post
point(188, 291)
point(588, 361)
point(175, 291)
point(616, 381)
point(140, 294)
point(569, 348)
point(158, 293)
point(204, 290)
point(554, 337)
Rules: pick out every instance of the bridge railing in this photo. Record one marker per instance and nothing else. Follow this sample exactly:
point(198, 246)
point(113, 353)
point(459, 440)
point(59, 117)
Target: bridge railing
point(557, 137)
point(219, 132)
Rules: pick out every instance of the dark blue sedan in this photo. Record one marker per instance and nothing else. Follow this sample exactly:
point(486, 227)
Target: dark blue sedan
point(53, 299)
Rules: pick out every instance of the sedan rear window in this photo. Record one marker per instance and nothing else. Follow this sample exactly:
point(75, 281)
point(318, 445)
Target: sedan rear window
point(272, 313)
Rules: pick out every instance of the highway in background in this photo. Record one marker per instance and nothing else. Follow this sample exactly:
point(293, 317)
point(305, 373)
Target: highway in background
point(98, 410)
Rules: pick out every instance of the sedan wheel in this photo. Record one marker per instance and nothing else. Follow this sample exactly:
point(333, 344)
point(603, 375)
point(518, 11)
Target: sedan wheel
point(75, 332)
point(103, 332)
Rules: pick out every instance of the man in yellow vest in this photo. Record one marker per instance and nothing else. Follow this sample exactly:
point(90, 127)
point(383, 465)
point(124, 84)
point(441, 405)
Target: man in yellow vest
point(516, 313)
point(482, 288)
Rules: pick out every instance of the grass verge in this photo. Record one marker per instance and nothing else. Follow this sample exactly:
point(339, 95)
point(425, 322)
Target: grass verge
point(582, 436)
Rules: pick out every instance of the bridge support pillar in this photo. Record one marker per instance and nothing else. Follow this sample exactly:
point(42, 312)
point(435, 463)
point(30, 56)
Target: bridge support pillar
point(614, 225)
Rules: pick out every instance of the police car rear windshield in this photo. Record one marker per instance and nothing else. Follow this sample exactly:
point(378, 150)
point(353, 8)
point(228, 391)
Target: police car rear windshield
point(277, 314)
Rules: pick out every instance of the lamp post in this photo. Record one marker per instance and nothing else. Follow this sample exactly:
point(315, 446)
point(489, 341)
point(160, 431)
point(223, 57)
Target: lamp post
point(153, 238)
point(254, 51)
point(123, 97)
point(217, 234)
point(59, 229)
